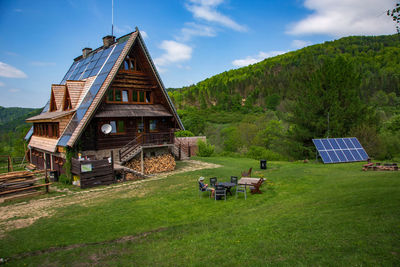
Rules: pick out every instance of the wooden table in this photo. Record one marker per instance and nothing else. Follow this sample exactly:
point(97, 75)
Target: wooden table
point(248, 181)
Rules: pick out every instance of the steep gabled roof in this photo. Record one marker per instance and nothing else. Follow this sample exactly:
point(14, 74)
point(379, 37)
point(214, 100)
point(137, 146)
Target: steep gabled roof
point(89, 78)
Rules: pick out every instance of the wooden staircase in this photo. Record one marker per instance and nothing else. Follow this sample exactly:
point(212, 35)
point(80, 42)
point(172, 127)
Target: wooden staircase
point(135, 146)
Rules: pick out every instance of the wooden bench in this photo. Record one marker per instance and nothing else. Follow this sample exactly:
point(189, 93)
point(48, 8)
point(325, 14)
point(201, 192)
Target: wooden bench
point(255, 187)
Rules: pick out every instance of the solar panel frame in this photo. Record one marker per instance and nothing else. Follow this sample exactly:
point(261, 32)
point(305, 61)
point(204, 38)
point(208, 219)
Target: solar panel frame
point(338, 150)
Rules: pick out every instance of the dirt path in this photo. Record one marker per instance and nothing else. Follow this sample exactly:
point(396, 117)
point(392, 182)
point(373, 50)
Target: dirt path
point(23, 214)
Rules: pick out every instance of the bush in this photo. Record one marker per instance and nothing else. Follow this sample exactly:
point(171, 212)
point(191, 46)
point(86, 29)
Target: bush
point(205, 149)
point(64, 179)
point(185, 133)
point(257, 152)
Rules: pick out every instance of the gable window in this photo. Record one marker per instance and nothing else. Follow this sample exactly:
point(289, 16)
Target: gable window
point(46, 129)
point(125, 96)
point(115, 95)
point(131, 64)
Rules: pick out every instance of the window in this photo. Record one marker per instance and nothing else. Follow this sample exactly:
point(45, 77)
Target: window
point(129, 96)
point(46, 129)
point(134, 96)
point(131, 64)
point(153, 125)
point(118, 127)
point(110, 95)
point(113, 127)
point(140, 127)
point(117, 95)
point(141, 96)
point(124, 96)
point(148, 96)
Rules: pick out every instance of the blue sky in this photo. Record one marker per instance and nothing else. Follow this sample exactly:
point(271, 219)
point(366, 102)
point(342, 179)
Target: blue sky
point(189, 40)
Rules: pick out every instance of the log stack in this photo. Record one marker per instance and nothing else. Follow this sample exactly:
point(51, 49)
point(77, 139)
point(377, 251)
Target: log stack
point(157, 164)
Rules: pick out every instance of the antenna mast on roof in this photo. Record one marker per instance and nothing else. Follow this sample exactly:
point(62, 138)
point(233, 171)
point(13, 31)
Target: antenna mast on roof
point(112, 17)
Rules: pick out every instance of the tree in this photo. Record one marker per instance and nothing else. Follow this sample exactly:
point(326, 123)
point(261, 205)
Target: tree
point(395, 14)
point(332, 89)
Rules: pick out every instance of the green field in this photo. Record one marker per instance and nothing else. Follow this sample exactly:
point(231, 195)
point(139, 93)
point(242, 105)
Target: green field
point(309, 214)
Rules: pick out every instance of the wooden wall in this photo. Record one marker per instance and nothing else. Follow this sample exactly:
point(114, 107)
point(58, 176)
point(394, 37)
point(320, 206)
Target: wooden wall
point(93, 139)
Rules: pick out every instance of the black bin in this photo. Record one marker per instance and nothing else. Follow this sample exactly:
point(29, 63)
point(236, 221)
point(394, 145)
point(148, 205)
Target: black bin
point(53, 176)
point(263, 164)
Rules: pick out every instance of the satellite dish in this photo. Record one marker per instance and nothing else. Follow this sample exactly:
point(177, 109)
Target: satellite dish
point(106, 128)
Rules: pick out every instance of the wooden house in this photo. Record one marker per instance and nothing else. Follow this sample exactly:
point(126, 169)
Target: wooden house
point(111, 98)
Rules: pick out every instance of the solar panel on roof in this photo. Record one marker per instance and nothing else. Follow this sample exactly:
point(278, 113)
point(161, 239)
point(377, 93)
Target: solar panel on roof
point(102, 68)
point(336, 150)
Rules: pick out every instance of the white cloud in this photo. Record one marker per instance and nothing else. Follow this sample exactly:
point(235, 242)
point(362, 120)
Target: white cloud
point(2, 84)
point(300, 43)
point(18, 10)
point(42, 63)
point(144, 34)
point(193, 29)
point(254, 59)
point(207, 10)
point(9, 71)
point(14, 90)
point(346, 17)
point(174, 52)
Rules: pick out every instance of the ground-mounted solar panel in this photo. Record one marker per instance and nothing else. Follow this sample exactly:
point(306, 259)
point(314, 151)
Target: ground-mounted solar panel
point(337, 150)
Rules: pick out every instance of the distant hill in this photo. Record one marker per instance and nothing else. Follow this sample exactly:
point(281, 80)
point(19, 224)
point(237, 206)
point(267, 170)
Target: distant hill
point(273, 109)
point(13, 128)
point(266, 84)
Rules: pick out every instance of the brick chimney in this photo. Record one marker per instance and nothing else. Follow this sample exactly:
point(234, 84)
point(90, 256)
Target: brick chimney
point(108, 40)
point(86, 51)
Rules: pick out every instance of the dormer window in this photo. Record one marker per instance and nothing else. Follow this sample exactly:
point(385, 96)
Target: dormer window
point(67, 102)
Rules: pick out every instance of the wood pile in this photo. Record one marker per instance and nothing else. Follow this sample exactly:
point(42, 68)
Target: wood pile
point(378, 167)
point(162, 163)
point(17, 182)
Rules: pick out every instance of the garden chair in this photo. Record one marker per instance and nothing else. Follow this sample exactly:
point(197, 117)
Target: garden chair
point(247, 174)
point(213, 181)
point(201, 190)
point(255, 188)
point(240, 188)
point(220, 191)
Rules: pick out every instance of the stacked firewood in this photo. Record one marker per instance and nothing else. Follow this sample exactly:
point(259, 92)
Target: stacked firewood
point(14, 182)
point(378, 167)
point(151, 165)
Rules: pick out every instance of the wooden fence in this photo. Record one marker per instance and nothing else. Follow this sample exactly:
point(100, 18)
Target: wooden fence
point(93, 172)
point(21, 182)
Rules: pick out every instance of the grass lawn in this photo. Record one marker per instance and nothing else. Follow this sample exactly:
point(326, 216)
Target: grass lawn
point(309, 214)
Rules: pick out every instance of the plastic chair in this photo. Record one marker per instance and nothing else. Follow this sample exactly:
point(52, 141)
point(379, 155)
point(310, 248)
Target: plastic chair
point(220, 191)
point(234, 180)
point(213, 181)
point(240, 188)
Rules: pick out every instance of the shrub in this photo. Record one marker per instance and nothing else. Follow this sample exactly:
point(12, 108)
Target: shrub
point(257, 152)
point(185, 133)
point(64, 179)
point(205, 149)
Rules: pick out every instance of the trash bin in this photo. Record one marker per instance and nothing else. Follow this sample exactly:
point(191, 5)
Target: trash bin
point(263, 164)
point(53, 176)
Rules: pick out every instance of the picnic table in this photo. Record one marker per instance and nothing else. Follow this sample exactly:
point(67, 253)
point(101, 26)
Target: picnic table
point(248, 181)
point(227, 185)
point(254, 183)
